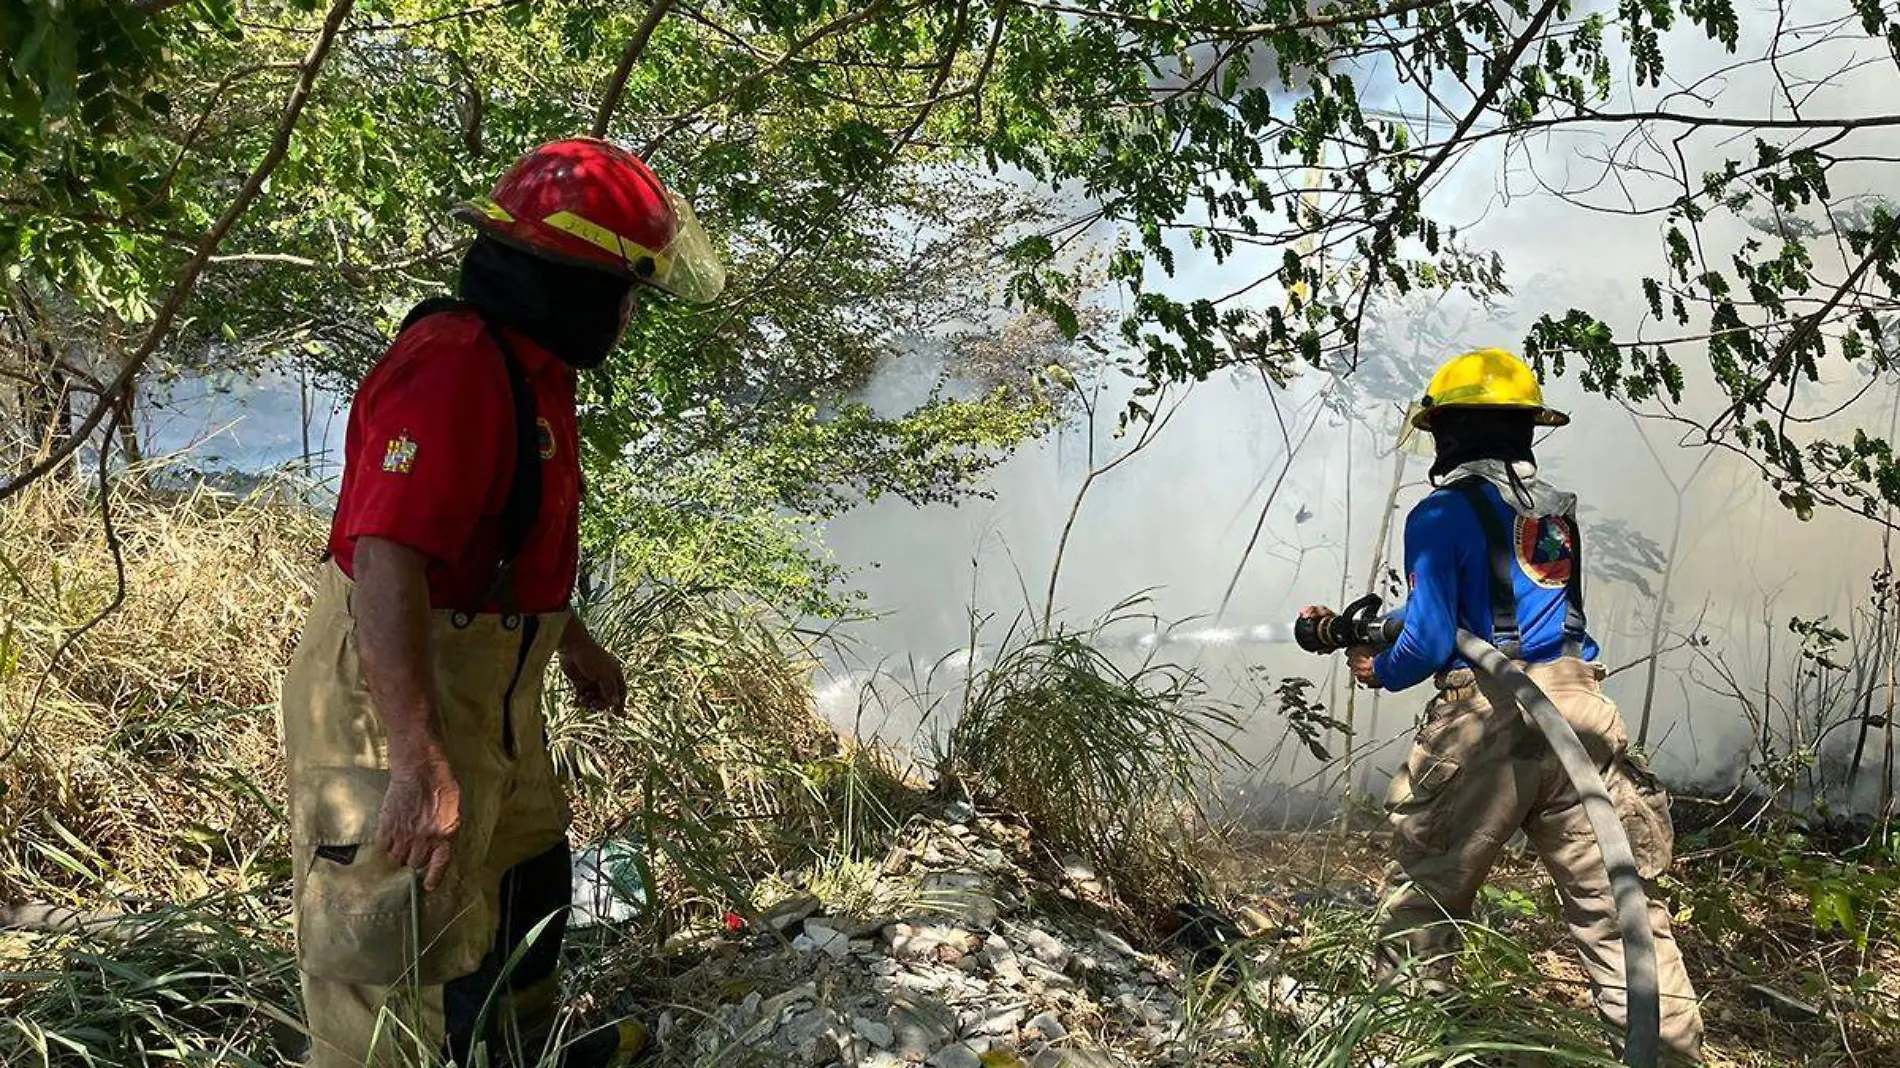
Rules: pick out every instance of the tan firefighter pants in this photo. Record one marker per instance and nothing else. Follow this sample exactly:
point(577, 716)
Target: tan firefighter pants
point(1480, 771)
point(392, 975)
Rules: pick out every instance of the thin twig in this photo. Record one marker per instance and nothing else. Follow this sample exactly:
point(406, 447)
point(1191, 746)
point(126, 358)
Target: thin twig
point(1286, 466)
point(207, 246)
point(118, 592)
point(1683, 642)
point(1149, 432)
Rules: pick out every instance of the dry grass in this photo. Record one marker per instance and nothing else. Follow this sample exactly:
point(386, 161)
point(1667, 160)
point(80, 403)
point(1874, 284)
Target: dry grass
point(149, 777)
point(1103, 763)
point(150, 767)
point(1528, 954)
point(722, 767)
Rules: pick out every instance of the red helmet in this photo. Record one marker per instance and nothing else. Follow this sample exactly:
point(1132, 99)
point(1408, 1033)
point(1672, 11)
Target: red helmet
point(588, 202)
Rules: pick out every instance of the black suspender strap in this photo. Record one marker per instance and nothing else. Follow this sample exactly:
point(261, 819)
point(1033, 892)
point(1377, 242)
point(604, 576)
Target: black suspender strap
point(522, 507)
point(1498, 545)
point(523, 504)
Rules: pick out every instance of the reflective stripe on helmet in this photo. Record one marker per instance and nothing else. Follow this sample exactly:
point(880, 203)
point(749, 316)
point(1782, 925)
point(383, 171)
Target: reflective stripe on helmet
point(595, 234)
point(490, 209)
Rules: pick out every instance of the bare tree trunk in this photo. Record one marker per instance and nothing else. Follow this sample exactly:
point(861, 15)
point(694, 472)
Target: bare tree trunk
point(1374, 569)
point(47, 402)
point(1345, 580)
point(1768, 688)
point(1884, 592)
point(1886, 774)
point(1668, 576)
point(304, 416)
point(59, 426)
point(127, 418)
point(1864, 690)
point(1656, 631)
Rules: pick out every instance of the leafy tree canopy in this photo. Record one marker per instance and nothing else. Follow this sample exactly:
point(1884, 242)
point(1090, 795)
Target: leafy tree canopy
point(887, 173)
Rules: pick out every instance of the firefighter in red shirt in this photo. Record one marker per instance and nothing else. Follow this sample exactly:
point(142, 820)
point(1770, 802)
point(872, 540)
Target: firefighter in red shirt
point(431, 872)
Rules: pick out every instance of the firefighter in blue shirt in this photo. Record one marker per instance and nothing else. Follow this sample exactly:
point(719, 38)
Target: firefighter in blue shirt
point(1496, 551)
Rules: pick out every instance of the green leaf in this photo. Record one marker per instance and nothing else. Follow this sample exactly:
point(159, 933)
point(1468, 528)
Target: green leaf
point(1066, 320)
point(1833, 909)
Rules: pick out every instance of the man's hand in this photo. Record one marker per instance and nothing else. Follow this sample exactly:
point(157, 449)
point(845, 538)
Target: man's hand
point(421, 812)
point(1316, 611)
point(423, 805)
point(1359, 659)
point(599, 682)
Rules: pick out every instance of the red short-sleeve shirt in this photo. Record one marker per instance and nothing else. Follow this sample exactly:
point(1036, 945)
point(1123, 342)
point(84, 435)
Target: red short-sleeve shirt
point(430, 454)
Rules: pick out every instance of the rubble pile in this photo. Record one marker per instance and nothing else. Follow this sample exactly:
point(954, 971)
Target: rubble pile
point(966, 973)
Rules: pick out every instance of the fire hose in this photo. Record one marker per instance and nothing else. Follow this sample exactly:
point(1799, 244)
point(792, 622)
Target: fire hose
point(1359, 624)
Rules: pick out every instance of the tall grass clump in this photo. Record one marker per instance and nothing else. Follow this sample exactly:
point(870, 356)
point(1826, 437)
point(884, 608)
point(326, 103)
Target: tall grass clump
point(144, 757)
point(210, 982)
point(1312, 1003)
point(721, 765)
point(1104, 763)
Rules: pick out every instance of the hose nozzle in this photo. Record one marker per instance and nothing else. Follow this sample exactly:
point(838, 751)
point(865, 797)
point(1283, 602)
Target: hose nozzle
point(1359, 624)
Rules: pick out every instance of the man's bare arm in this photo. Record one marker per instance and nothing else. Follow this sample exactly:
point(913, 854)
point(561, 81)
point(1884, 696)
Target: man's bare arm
point(423, 806)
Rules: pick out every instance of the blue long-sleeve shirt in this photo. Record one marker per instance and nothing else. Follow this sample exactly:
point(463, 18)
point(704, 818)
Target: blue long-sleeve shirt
point(1448, 566)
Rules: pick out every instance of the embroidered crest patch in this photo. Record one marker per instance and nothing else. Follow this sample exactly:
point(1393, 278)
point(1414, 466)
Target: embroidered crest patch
point(546, 437)
point(1546, 549)
point(399, 456)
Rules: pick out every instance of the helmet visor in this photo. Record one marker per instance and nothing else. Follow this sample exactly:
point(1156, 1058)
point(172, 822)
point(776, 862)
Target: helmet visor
point(689, 267)
point(1414, 438)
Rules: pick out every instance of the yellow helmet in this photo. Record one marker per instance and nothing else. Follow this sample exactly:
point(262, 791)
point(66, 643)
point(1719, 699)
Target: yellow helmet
point(1487, 378)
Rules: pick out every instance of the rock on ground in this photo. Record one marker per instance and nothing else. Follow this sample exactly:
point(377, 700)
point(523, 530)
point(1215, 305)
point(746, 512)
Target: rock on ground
point(969, 979)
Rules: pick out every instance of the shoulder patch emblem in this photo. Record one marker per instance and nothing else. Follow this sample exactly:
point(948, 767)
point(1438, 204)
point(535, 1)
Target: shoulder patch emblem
point(399, 455)
point(545, 435)
point(1546, 549)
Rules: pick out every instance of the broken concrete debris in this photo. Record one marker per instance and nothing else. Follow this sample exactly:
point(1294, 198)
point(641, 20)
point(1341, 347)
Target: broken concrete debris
point(967, 977)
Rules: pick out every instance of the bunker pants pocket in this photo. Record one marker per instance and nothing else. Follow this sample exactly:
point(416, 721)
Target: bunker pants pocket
point(1419, 801)
point(1644, 807)
point(361, 916)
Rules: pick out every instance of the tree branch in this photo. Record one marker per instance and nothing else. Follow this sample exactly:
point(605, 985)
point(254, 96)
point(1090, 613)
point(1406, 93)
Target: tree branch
point(207, 247)
point(1806, 331)
point(617, 85)
point(1234, 31)
point(951, 49)
point(836, 26)
point(1414, 191)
